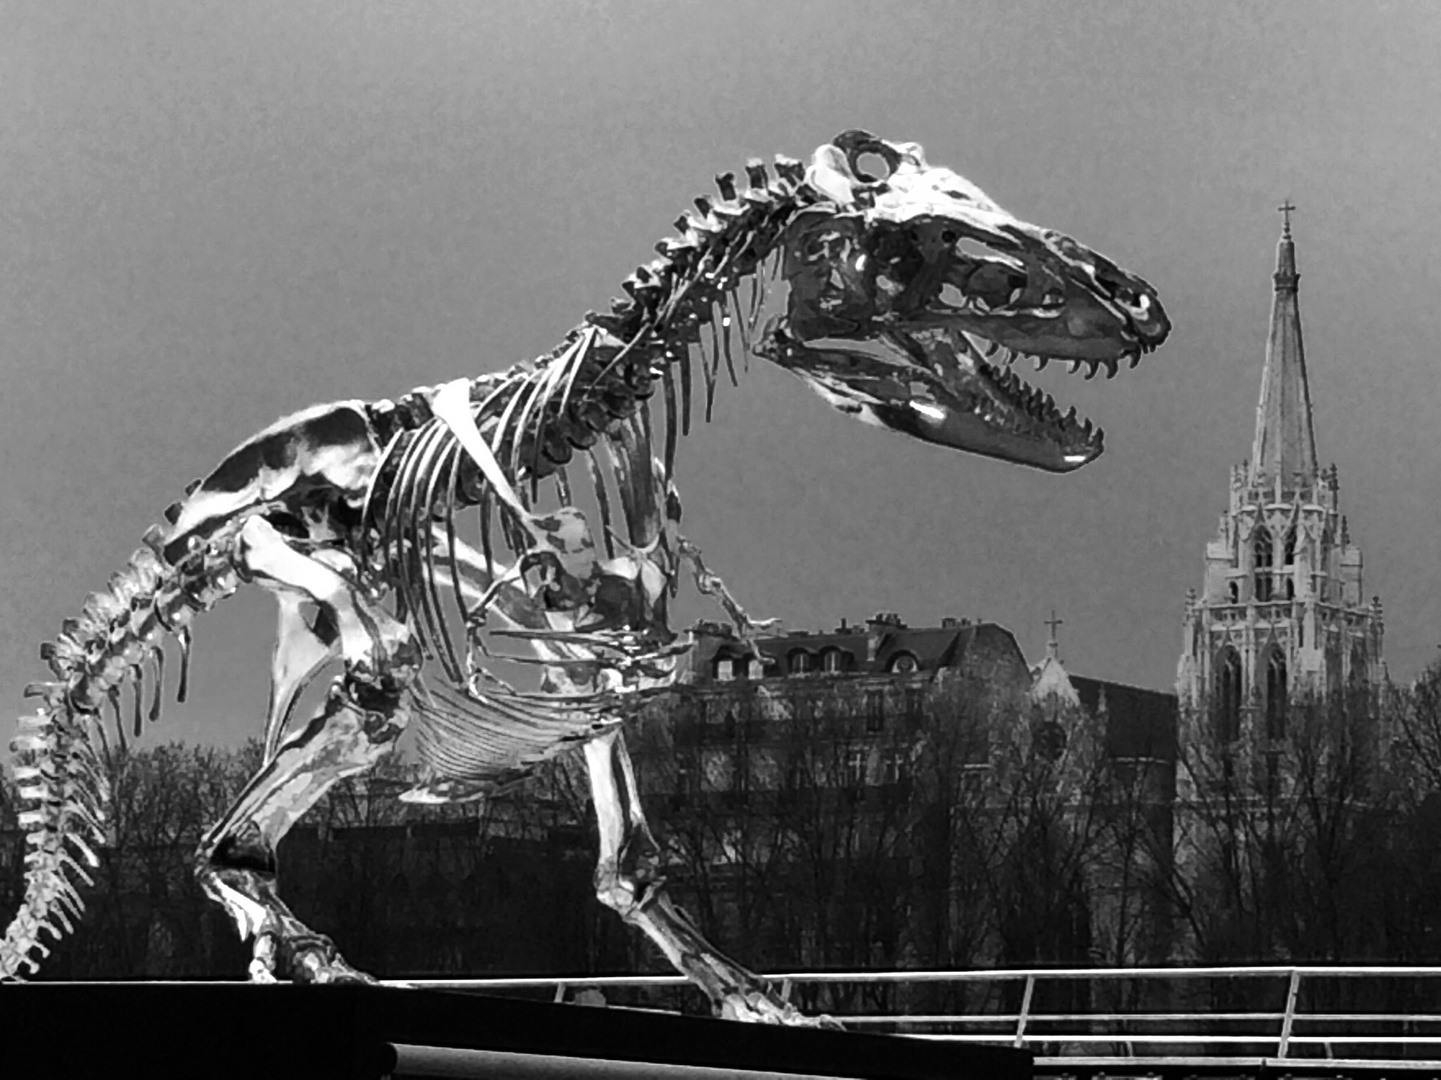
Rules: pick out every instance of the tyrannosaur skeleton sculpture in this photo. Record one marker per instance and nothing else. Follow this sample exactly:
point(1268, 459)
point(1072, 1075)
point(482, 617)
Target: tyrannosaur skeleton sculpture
point(909, 293)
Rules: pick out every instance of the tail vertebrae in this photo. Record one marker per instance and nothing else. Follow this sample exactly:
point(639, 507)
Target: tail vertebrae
point(62, 750)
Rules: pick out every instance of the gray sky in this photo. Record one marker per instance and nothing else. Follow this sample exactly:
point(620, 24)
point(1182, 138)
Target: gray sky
point(217, 213)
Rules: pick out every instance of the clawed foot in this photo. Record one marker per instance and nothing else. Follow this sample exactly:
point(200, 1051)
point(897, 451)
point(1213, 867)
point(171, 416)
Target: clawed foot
point(763, 1007)
point(305, 958)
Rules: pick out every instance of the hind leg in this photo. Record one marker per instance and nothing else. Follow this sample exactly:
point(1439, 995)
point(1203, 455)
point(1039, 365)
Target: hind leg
point(362, 716)
point(627, 881)
point(235, 863)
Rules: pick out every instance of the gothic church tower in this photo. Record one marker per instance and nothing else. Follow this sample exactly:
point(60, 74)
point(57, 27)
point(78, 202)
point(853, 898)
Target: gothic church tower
point(1280, 615)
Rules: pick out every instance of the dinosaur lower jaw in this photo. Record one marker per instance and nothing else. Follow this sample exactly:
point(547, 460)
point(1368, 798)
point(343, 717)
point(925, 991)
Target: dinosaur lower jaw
point(936, 387)
point(976, 434)
point(979, 382)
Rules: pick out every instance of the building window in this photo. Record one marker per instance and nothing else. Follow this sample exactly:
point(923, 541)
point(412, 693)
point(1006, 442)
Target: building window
point(1227, 703)
point(1273, 773)
point(1276, 694)
point(893, 767)
point(913, 704)
point(1049, 740)
point(1261, 564)
point(904, 664)
point(1358, 677)
point(1289, 550)
point(725, 669)
point(833, 661)
point(875, 711)
point(799, 662)
point(756, 668)
point(740, 780)
point(686, 785)
point(1233, 591)
point(855, 777)
point(795, 780)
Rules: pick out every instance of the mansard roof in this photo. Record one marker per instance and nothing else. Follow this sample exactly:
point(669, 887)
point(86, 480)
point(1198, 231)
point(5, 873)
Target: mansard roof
point(984, 650)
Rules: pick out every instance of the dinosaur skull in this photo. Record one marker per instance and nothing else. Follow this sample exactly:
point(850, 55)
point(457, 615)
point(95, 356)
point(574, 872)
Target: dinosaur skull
point(911, 294)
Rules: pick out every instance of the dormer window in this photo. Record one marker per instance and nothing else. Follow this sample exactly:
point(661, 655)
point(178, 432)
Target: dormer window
point(904, 664)
point(799, 662)
point(833, 661)
point(756, 668)
point(725, 669)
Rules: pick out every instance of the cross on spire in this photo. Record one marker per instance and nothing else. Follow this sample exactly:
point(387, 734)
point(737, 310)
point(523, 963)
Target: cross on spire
point(1286, 208)
point(1053, 647)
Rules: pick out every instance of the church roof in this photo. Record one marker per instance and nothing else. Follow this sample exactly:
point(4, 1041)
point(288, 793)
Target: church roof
point(1139, 723)
point(1285, 444)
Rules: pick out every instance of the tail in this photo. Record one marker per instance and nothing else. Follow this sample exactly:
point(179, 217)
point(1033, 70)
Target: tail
point(61, 750)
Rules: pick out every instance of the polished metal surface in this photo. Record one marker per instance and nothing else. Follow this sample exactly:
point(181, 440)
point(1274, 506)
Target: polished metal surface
point(442, 530)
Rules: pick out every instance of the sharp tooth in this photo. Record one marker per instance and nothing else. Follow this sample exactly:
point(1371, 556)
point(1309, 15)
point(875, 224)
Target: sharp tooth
point(1075, 366)
point(1042, 361)
point(1111, 368)
point(1086, 427)
point(1070, 417)
point(1135, 358)
point(1091, 370)
point(991, 348)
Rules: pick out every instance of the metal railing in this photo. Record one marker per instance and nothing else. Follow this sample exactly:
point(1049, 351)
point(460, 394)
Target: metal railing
point(1097, 1017)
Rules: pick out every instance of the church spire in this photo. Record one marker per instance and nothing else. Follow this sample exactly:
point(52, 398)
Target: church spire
point(1285, 444)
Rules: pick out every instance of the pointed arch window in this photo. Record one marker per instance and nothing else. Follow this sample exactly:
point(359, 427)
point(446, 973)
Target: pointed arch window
point(1321, 569)
point(1288, 556)
point(1358, 666)
point(1261, 562)
point(1226, 705)
point(1277, 694)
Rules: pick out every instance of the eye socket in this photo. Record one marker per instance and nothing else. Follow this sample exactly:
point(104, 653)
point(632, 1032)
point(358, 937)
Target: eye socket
point(950, 236)
point(871, 166)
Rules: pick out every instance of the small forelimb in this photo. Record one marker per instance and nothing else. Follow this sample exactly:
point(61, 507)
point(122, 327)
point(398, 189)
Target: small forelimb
point(710, 584)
